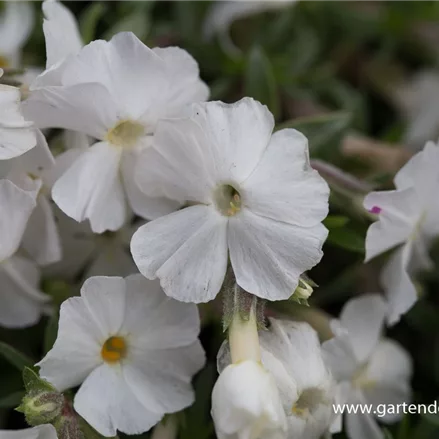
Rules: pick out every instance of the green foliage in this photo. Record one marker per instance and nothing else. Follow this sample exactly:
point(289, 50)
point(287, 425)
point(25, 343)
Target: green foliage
point(14, 357)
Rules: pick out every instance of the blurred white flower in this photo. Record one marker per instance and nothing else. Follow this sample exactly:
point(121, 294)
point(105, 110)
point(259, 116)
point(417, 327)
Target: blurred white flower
point(246, 404)
point(256, 198)
point(115, 92)
point(17, 134)
point(16, 23)
point(419, 103)
point(133, 349)
point(408, 219)
point(45, 431)
point(368, 368)
point(222, 14)
point(291, 352)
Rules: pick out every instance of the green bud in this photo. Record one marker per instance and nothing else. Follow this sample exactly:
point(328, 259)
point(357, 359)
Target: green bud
point(41, 407)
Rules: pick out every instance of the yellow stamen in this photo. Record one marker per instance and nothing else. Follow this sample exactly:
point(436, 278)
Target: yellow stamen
point(114, 349)
point(125, 133)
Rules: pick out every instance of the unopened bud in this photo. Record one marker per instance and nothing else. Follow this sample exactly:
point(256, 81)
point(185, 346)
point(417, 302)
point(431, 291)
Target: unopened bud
point(41, 407)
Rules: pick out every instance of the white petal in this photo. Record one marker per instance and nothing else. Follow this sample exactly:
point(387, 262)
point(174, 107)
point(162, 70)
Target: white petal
point(21, 303)
point(88, 108)
point(41, 239)
point(107, 403)
point(182, 74)
point(45, 431)
point(155, 321)
point(362, 426)
point(390, 369)
point(76, 352)
point(161, 379)
point(187, 250)
point(131, 72)
point(363, 318)
point(91, 189)
point(223, 14)
point(269, 256)
point(339, 354)
point(61, 32)
point(17, 205)
point(142, 205)
point(16, 24)
point(399, 288)
point(16, 134)
point(105, 299)
point(399, 211)
point(284, 186)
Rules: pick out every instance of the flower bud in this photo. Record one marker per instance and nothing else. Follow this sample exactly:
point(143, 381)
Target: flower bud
point(246, 403)
point(41, 407)
point(303, 291)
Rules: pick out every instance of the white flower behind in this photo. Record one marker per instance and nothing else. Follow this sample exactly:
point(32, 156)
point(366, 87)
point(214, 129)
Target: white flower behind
point(44, 431)
point(132, 350)
point(16, 23)
point(407, 219)
point(253, 195)
point(115, 92)
point(369, 369)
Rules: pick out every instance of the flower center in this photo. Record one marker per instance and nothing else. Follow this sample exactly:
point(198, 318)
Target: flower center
point(114, 350)
point(360, 380)
point(308, 401)
point(227, 200)
point(4, 62)
point(125, 133)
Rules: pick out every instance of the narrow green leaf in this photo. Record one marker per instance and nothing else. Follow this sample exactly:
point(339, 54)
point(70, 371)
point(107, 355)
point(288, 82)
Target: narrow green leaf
point(335, 221)
point(14, 357)
point(259, 80)
point(51, 332)
point(89, 20)
point(346, 239)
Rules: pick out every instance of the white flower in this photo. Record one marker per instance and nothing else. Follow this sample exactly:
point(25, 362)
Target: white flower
point(292, 353)
point(223, 13)
point(408, 219)
point(246, 404)
point(45, 431)
point(133, 349)
point(369, 369)
point(17, 135)
point(115, 92)
point(256, 198)
point(16, 23)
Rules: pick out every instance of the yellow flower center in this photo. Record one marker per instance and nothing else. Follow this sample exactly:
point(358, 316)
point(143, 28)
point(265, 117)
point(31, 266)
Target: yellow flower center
point(4, 62)
point(126, 133)
point(114, 349)
point(307, 402)
point(227, 200)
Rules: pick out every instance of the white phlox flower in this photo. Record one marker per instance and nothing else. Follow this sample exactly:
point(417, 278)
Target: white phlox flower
point(115, 92)
point(291, 353)
point(132, 350)
point(245, 400)
point(253, 196)
point(407, 219)
point(369, 369)
point(223, 13)
point(17, 134)
point(16, 23)
point(44, 431)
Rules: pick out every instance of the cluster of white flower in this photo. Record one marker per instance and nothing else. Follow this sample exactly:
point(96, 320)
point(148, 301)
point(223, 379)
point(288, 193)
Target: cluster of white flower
point(223, 196)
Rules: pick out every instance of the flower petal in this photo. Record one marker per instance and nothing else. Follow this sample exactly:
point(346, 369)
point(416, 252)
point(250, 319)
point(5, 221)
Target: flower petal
point(107, 403)
point(45, 431)
point(362, 426)
point(155, 321)
point(21, 303)
point(61, 32)
point(363, 318)
point(269, 256)
point(91, 189)
point(283, 186)
point(399, 288)
point(195, 238)
point(17, 205)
